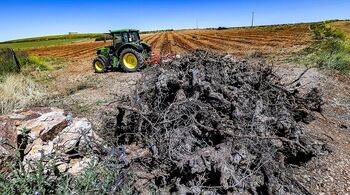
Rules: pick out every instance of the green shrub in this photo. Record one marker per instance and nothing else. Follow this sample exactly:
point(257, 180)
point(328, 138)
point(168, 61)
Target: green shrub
point(331, 49)
point(322, 31)
point(20, 181)
point(104, 177)
point(32, 62)
point(7, 63)
point(27, 62)
point(37, 63)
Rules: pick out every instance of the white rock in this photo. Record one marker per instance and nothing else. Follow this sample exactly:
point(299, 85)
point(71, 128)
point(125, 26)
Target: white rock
point(46, 126)
point(63, 167)
point(77, 165)
point(71, 135)
point(38, 150)
point(51, 135)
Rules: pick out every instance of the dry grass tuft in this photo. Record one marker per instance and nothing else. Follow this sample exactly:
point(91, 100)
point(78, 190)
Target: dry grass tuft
point(17, 91)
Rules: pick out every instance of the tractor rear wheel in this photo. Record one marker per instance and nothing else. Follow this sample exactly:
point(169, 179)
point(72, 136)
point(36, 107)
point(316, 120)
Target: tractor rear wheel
point(131, 60)
point(99, 65)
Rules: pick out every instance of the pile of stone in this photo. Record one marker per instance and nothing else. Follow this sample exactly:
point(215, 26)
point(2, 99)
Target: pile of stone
point(48, 135)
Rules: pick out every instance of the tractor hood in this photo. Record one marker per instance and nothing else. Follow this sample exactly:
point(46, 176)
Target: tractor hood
point(103, 50)
point(145, 44)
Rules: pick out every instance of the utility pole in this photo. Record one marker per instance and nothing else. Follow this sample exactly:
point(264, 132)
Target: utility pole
point(252, 19)
point(196, 23)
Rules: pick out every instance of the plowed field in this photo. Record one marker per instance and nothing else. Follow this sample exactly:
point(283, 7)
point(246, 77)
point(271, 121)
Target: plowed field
point(268, 41)
point(87, 94)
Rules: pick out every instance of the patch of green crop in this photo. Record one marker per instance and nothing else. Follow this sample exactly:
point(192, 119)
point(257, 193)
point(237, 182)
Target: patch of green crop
point(48, 40)
point(35, 44)
point(55, 37)
point(31, 63)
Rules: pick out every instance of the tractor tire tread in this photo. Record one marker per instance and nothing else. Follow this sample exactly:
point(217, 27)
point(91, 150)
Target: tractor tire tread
point(139, 56)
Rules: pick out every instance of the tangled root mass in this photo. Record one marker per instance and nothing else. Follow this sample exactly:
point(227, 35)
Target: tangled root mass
point(219, 125)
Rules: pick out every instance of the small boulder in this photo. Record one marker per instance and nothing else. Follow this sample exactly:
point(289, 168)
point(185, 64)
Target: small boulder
point(48, 134)
point(77, 165)
point(47, 125)
point(62, 167)
point(8, 142)
point(38, 150)
point(69, 138)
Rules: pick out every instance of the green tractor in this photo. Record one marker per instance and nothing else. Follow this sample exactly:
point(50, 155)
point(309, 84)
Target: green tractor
point(127, 52)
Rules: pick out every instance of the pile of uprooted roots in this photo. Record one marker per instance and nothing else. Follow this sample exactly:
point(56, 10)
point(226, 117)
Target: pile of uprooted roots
point(215, 124)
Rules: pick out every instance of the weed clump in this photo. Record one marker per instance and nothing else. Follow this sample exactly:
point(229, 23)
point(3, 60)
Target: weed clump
point(18, 91)
point(104, 177)
point(26, 62)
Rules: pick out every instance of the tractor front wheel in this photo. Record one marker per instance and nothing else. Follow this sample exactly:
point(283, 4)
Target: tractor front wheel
point(99, 65)
point(131, 60)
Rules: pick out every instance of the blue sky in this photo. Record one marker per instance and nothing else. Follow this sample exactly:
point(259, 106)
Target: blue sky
point(29, 18)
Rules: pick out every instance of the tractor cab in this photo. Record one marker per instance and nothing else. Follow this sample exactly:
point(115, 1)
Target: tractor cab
point(127, 51)
point(124, 36)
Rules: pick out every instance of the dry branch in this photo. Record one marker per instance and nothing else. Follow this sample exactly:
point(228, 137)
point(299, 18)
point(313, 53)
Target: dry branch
point(216, 124)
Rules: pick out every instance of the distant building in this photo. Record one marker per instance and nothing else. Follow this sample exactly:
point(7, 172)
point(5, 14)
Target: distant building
point(72, 33)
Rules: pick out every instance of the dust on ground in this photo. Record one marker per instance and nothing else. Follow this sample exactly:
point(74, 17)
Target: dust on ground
point(328, 173)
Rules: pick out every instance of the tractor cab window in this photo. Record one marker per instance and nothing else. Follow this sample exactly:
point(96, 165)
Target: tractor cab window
point(134, 36)
point(130, 37)
point(118, 39)
point(125, 37)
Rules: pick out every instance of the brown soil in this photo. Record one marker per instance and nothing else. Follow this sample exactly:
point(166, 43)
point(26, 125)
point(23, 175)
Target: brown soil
point(240, 42)
point(342, 25)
